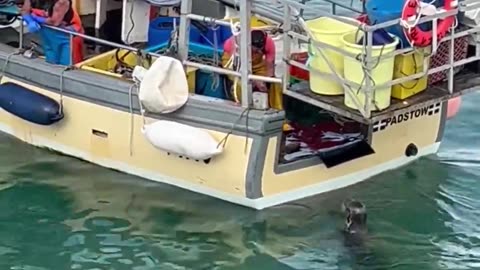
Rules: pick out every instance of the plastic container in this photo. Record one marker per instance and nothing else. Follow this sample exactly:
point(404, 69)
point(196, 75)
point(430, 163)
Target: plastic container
point(380, 37)
point(160, 29)
point(380, 11)
point(105, 63)
point(225, 32)
point(296, 73)
point(329, 31)
point(381, 74)
point(209, 84)
point(407, 65)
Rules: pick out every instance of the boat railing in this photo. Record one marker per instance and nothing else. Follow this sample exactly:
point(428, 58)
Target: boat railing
point(141, 51)
point(369, 86)
point(292, 21)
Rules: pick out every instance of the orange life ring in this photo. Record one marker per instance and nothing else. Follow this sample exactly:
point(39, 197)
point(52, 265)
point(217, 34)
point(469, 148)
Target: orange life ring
point(417, 36)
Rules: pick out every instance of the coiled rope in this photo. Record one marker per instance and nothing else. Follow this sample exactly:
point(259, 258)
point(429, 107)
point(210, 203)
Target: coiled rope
point(7, 3)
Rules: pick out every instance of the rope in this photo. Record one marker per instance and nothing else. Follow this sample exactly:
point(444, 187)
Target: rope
point(142, 110)
point(408, 27)
point(132, 117)
point(215, 76)
point(233, 62)
point(223, 142)
point(7, 3)
point(365, 68)
point(62, 86)
point(7, 60)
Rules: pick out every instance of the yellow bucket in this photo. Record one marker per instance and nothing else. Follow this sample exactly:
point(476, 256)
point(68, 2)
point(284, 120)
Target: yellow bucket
point(329, 31)
point(407, 65)
point(381, 74)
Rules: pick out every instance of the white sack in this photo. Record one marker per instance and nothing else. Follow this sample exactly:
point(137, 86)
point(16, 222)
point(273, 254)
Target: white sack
point(181, 139)
point(164, 87)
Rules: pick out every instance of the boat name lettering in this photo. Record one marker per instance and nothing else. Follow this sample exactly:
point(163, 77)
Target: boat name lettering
point(400, 118)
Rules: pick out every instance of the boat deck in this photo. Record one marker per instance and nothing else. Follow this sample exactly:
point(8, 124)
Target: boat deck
point(465, 82)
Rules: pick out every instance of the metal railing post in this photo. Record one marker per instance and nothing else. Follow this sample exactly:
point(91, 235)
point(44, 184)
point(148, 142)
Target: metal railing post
point(20, 35)
point(70, 36)
point(368, 90)
point(245, 53)
point(184, 31)
point(287, 25)
point(451, 71)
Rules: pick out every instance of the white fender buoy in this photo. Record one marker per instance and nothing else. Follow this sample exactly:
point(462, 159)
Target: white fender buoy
point(182, 140)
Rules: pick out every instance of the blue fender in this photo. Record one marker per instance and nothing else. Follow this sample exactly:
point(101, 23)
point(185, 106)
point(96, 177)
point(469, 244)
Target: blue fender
point(29, 105)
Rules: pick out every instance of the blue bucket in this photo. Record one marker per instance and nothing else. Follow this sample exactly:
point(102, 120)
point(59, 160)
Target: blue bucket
point(380, 11)
point(160, 29)
point(204, 85)
point(380, 38)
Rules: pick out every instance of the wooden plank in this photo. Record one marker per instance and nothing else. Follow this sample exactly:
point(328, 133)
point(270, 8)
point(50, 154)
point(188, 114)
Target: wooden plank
point(465, 82)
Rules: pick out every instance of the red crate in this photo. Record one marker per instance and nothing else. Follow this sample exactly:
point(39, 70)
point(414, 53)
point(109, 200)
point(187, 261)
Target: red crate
point(296, 72)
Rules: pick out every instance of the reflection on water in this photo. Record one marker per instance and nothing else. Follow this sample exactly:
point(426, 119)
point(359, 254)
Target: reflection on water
point(61, 213)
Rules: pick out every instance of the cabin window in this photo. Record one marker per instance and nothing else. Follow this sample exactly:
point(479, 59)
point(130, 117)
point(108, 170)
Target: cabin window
point(316, 136)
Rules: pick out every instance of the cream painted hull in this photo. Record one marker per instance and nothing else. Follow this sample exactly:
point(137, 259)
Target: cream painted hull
point(226, 177)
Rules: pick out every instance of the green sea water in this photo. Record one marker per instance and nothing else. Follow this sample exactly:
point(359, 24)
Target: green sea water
point(60, 213)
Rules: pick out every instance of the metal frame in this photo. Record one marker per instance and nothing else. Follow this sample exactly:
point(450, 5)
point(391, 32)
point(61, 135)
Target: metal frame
point(368, 88)
point(293, 10)
point(291, 18)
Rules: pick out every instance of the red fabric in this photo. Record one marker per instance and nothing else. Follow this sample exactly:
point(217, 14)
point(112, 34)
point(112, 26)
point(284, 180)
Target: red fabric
point(153, 12)
point(297, 72)
point(77, 46)
point(77, 50)
point(312, 135)
point(363, 19)
point(38, 12)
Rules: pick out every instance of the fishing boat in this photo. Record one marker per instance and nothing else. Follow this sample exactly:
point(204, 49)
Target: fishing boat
point(356, 108)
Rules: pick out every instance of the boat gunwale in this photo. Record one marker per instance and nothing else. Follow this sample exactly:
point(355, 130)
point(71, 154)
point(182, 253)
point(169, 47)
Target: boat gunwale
point(196, 112)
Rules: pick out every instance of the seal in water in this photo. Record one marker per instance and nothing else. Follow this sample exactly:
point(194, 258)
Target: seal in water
point(356, 221)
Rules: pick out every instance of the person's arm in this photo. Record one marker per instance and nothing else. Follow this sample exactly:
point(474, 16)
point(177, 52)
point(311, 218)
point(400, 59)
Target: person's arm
point(26, 8)
point(270, 56)
point(228, 51)
point(59, 11)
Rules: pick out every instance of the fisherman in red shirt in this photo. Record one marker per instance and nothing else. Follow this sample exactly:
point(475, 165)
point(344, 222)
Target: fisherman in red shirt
point(263, 64)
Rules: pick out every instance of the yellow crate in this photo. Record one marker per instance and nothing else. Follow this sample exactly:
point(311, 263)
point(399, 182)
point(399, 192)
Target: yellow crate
point(105, 63)
point(407, 65)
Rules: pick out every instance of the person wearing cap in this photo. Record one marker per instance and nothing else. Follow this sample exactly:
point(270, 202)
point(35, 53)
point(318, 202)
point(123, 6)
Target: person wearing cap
point(263, 64)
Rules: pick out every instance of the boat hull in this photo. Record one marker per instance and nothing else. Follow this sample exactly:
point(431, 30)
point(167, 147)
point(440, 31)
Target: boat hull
point(228, 177)
point(102, 125)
